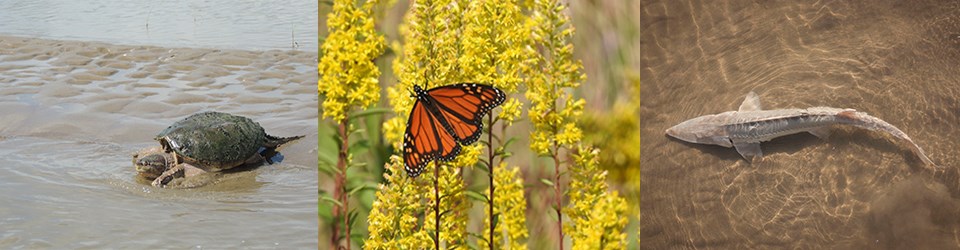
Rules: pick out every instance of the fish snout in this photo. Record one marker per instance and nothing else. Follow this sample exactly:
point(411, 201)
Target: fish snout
point(681, 134)
point(671, 132)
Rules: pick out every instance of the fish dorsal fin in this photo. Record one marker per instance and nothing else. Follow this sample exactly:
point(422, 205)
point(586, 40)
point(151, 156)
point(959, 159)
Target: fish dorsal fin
point(751, 103)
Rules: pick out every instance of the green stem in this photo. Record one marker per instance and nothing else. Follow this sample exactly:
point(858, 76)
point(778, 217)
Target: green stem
point(490, 161)
point(340, 189)
point(436, 206)
point(556, 188)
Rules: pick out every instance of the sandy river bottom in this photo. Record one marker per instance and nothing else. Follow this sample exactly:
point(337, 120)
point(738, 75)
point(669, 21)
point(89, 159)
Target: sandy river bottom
point(858, 189)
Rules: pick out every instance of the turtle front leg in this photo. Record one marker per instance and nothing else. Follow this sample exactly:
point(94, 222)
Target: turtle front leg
point(177, 171)
point(181, 171)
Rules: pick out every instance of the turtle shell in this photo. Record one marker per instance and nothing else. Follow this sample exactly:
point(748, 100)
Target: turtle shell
point(213, 139)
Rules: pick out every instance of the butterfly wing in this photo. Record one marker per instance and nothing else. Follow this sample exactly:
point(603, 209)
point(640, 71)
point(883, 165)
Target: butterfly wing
point(462, 107)
point(425, 140)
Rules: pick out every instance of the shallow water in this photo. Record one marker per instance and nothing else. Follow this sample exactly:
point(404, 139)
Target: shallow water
point(250, 25)
point(858, 189)
point(74, 112)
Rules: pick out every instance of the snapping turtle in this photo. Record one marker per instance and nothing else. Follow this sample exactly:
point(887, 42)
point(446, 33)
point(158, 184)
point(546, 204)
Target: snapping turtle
point(206, 142)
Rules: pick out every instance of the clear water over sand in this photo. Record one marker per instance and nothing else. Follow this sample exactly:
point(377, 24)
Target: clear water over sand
point(71, 114)
point(248, 25)
point(895, 60)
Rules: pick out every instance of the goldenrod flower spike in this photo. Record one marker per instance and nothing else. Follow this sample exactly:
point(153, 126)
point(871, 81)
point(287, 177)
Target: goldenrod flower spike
point(348, 75)
point(599, 218)
point(393, 220)
point(511, 206)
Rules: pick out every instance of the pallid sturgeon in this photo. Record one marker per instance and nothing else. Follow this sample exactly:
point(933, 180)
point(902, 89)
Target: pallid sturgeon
point(745, 128)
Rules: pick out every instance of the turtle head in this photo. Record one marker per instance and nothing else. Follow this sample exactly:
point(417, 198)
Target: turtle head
point(151, 162)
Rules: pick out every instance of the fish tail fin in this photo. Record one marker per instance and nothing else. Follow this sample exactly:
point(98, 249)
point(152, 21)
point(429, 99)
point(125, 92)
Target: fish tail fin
point(865, 121)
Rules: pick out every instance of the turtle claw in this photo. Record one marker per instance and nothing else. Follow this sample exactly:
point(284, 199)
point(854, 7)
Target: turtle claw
point(169, 175)
point(159, 183)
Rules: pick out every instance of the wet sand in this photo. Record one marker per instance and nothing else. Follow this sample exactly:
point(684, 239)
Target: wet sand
point(74, 112)
point(856, 190)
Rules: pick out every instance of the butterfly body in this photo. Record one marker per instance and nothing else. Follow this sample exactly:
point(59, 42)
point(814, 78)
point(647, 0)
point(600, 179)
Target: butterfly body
point(442, 119)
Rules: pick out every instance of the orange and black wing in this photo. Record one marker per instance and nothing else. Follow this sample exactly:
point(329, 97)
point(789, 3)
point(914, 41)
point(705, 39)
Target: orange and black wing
point(426, 140)
point(461, 108)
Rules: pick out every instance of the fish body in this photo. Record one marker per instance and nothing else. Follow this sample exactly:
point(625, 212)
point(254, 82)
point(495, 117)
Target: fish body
point(745, 128)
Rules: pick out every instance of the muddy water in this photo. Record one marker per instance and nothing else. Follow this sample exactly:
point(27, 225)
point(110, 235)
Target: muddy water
point(858, 189)
point(71, 113)
point(250, 25)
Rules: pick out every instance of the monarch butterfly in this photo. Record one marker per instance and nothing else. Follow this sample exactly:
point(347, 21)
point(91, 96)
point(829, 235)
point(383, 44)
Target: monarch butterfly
point(443, 116)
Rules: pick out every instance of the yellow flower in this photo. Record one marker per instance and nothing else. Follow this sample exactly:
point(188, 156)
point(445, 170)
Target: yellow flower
point(555, 75)
point(620, 155)
point(603, 227)
point(393, 220)
point(598, 217)
point(454, 207)
point(511, 111)
point(494, 44)
point(348, 75)
point(540, 142)
point(571, 134)
point(393, 130)
point(510, 206)
point(468, 155)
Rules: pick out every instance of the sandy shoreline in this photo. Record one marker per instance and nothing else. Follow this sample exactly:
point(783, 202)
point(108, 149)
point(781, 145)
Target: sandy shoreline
point(148, 82)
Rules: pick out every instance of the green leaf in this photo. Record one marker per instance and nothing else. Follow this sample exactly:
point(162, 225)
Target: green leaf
point(476, 196)
point(370, 111)
point(325, 211)
point(328, 169)
point(326, 158)
point(546, 181)
point(327, 150)
point(496, 137)
point(480, 237)
point(359, 147)
point(361, 187)
point(353, 217)
point(337, 139)
point(482, 165)
point(357, 237)
point(333, 170)
point(553, 212)
point(509, 141)
point(356, 164)
point(331, 200)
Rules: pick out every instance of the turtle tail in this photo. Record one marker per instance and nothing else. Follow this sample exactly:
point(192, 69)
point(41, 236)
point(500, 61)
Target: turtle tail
point(275, 142)
point(272, 144)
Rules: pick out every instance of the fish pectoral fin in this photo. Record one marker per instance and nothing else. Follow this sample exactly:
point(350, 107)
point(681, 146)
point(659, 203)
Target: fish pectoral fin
point(748, 150)
point(751, 103)
point(822, 133)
